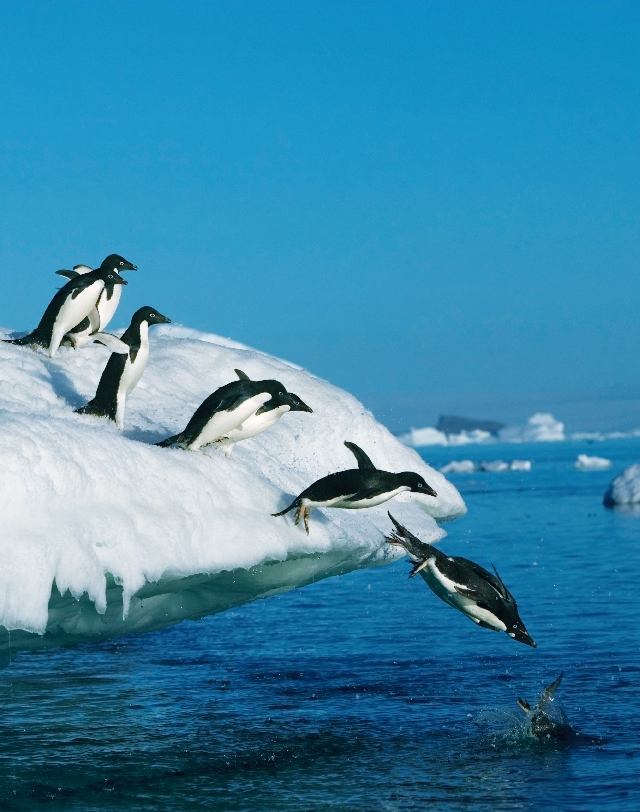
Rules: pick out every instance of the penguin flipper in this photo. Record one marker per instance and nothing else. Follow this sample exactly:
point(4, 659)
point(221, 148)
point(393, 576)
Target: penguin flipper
point(112, 342)
point(549, 691)
point(363, 460)
point(417, 567)
point(68, 274)
point(242, 375)
point(364, 493)
point(526, 707)
point(94, 320)
point(466, 591)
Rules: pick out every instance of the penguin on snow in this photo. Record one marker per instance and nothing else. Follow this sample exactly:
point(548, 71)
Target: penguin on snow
point(244, 405)
point(106, 306)
point(264, 418)
point(74, 302)
point(356, 488)
point(123, 372)
point(466, 586)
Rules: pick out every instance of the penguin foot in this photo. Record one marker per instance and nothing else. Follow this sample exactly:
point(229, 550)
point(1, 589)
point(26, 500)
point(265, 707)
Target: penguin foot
point(303, 512)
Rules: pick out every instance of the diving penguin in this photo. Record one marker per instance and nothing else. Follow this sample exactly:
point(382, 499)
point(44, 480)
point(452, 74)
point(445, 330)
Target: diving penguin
point(545, 722)
point(74, 302)
point(264, 418)
point(229, 407)
point(107, 304)
point(361, 487)
point(123, 372)
point(466, 586)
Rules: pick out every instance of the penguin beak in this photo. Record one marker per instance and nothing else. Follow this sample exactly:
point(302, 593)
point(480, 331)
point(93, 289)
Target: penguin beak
point(298, 405)
point(163, 319)
point(523, 636)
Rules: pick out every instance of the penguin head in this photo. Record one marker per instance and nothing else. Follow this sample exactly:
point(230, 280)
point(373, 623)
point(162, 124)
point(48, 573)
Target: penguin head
point(296, 404)
point(516, 629)
point(109, 276)
point(150, 315)
point(416, 483)
point(118, 263)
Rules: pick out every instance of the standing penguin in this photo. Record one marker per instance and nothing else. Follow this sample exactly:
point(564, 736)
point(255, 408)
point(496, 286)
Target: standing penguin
point(229, 407)
point(107, 304)
point(466, 586)
point(74, 302)
point(356, 488)
point(264, 418)
point(123, 372)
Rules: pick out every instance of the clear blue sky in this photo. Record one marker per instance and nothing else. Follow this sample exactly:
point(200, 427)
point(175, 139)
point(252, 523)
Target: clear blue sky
point(431, 204)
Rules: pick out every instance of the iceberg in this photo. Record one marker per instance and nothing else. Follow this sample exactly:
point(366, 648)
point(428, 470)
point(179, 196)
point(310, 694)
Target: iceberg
point(625, 488)
point(458, 467)
point(105, 534)
point(586, 463)
point(494, 466)
point(542, 427)
point(520, 465)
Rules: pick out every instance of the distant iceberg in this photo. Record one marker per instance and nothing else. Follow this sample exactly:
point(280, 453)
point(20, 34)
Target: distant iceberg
point(625, 488)
point(520, 465)
point(586, 463)
point(541, 427)
point(104, 533)
point(459, 467)
point(494, 466)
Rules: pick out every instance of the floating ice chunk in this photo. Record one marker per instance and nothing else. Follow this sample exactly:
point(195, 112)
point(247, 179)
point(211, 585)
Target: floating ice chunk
point(494, 466)
point(625, 488)
point(458, 467)
point(103, 533)
point(468, 437)
point(542, 427)
point(520, 465)
point(418, 438)
point(586, 463)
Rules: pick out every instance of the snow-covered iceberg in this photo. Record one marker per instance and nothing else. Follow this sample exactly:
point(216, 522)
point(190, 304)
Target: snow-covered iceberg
point(625, 488)
point(542, 427)
point(587, 463)
point(459, 467)
point(103, 533)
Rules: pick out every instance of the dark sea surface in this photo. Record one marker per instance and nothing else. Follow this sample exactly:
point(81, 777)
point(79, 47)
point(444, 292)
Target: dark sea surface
point(366, 691)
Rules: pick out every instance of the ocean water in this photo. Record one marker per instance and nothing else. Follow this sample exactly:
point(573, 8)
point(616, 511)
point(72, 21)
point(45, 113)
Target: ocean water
point(366, 691)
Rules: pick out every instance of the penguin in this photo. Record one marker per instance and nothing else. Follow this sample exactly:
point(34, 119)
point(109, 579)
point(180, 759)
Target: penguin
point(466, 586)
point(107, 304)
point(361, 487)
point(264, 418)
point(541, 723)
point(229, 407)
point(74, 302)
point(123, 372)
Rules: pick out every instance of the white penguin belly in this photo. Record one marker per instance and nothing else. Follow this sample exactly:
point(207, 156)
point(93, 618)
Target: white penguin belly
point(72, 312)
point(132, 373)
point(256, 424)
point(107, 307)
point(223, 422)
point(343, 501)
point(445, 589)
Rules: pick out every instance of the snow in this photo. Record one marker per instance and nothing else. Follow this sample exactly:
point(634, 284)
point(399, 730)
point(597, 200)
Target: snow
point(418, 438)
point(586, 463)
point(625, 488)
point(104, 533)
point(520, 465)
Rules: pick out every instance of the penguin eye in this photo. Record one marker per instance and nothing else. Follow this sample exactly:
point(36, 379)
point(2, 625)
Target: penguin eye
point(281, 394)
point(515, 625)
point(152, 315)
point(110, 276)
point(122, 263)
point(419, 484)
point(295, 403)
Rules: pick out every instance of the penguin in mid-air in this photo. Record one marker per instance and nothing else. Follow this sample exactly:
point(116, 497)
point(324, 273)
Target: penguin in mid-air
point(232, 405)
point(361, 487)
point(123, 372)
point(74, 302)
point(466, 586)
point(107, 304)
point(264, 418)
point(544, 722)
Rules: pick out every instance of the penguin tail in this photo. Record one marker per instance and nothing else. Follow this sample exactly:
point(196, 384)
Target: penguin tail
point(176, 438)
point(294, 504)
point(26, 341)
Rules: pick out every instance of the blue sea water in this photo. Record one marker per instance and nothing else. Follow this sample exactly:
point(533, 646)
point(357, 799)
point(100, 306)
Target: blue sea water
point(366, 691)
